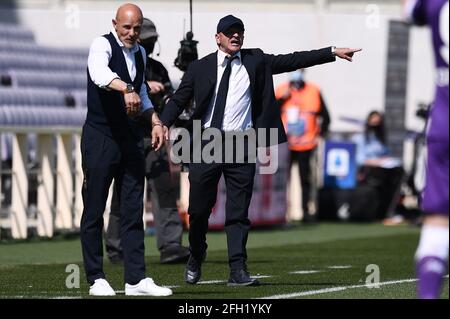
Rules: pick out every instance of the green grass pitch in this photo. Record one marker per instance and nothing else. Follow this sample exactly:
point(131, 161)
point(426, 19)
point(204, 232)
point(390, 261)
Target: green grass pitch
point(320, 261)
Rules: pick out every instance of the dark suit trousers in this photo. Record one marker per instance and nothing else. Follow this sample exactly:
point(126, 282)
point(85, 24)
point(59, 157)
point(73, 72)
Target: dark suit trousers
point(169, 228)
point(105, 159)
point(204, 179)
point(304, 162)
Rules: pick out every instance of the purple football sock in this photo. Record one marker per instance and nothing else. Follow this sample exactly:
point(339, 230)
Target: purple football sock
point(430, 272)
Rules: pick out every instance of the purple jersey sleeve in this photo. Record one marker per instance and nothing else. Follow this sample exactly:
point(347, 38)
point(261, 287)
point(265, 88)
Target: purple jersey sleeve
point(418, 13)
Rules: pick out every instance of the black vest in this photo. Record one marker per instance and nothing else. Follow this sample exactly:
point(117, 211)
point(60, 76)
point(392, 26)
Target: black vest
point(106, 109)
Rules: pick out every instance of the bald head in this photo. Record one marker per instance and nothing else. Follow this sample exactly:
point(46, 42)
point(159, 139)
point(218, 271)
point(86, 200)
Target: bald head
point(128, 24)
point(129, 10)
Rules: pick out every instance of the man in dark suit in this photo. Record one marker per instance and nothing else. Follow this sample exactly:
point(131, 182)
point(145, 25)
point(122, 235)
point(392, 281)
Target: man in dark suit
point(233, 92)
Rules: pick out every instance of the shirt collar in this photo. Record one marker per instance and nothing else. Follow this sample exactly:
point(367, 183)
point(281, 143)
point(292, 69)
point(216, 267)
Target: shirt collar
point(134, 49)
point(221, 56)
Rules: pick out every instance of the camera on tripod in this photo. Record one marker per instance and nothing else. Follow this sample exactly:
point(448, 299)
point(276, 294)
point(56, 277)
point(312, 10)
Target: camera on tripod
point(423, 111)
point(187, 52)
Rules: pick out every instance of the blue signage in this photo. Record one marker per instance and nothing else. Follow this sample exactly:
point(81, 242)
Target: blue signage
point(340, 165)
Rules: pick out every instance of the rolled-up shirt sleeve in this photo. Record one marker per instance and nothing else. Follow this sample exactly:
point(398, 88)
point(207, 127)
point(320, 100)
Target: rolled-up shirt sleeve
point(145, 100)
point(143, 94)
point(99, 56)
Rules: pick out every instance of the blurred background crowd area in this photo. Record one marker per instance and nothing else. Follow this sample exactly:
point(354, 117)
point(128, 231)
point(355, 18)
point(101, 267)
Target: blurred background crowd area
point(43, 55)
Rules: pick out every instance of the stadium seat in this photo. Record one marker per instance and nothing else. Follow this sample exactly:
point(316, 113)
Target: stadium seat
point(48, 79)
point(80, 97)
point(28, 61)
point(41, 116)
point(28, 47)
point(16, 32)
point(28, 96)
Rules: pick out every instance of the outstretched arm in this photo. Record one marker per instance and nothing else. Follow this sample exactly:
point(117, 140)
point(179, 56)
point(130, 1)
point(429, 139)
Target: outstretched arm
point(298, 60)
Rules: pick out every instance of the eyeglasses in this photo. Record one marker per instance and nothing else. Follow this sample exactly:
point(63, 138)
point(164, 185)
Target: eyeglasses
point(229, 33)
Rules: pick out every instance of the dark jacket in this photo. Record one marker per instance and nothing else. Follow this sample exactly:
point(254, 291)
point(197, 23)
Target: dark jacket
point(200, 79)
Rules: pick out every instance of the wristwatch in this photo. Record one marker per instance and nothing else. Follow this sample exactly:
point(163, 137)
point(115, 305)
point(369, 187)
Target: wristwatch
point(333, 51)
point(128, 89)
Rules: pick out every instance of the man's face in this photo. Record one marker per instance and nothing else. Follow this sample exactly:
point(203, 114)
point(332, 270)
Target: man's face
point(231, 40)
point(128, 28)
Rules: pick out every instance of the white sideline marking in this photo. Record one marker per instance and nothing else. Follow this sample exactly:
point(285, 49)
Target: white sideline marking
point(305, 272)
point(209, 282)
point(335, 289)
point(340, 267)
point(40, 297)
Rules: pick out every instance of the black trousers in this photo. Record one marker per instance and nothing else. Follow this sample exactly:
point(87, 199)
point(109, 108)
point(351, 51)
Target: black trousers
point(103, 159)
point(169, 228)
point(304, 163)
point(386, 182)
point(204, 179)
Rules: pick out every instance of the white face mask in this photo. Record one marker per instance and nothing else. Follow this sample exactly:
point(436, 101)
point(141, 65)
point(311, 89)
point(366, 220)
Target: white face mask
point(297, 76)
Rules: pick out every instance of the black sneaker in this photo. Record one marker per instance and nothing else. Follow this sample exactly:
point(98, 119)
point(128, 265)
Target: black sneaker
point(241, 277)
point(174, 254)
point(193, 271)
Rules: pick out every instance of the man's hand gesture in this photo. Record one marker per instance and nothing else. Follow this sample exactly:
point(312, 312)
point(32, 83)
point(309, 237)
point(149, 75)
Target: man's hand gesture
point(346, 53)
point(132, 104)
point(160, 134)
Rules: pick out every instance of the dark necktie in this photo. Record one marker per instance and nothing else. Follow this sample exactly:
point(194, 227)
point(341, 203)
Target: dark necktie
point(221, 100)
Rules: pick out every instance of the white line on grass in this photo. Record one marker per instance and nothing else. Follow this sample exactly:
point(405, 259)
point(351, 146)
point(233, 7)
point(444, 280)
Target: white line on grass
point(209, 282)
point(304, 272)
point(39, 297)
point(335, 289)
point(206, 282)
point(340, 267)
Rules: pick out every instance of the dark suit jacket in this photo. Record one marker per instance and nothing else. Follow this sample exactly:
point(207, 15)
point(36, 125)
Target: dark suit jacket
point(200, 79)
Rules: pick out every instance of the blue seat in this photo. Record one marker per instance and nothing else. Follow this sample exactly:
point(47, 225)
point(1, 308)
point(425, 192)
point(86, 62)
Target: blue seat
point(20, 60)
point(48, 79)
point(41, 116)
point(16, 32)
point(80, 97)
point(28, 96)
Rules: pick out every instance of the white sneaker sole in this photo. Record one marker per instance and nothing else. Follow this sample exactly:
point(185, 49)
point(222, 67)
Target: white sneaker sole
point(102, 295)
point(137, 293)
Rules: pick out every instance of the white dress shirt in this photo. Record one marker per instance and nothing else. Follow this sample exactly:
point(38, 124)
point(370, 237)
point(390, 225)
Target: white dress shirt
point(100, 54)
point(238, 109)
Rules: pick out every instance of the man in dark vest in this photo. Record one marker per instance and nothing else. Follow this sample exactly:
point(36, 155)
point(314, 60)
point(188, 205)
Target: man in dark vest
point(233, 92)
point(169, 227)
point(112, 148)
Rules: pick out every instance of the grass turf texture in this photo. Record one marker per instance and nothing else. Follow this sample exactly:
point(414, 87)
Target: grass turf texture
point(37, 268)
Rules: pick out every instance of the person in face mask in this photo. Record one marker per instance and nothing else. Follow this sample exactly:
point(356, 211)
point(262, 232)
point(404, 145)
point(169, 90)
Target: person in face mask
point(379, 174)
point(371, 146)
point(156, 74)
point(297, 79)
point(305, 119)
point(169, 227)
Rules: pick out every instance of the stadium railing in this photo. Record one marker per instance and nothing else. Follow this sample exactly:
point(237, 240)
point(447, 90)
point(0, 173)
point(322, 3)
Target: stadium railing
point(59, 203)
